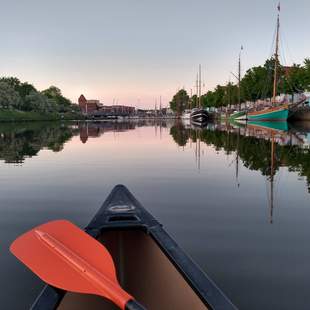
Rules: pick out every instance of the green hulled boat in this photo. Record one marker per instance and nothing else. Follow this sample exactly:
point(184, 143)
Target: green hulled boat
point(279, 113)
point(279, 126)
point(238, 115)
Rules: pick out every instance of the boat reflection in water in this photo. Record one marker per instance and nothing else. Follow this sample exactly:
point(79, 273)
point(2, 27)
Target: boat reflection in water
point(262, 146)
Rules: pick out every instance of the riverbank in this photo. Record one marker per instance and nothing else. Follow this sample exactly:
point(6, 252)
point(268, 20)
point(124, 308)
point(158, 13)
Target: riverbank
point(16, 116)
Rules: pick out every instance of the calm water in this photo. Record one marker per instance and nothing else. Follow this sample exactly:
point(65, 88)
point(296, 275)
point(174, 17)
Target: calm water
point(235, 198)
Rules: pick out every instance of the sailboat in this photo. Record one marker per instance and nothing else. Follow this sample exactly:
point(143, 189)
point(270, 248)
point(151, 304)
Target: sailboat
point(239, 114)
point(199, 116)
point(277, 112)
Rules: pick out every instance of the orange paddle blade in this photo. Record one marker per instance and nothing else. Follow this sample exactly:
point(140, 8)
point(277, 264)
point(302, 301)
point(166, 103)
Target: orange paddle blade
point(64, 256)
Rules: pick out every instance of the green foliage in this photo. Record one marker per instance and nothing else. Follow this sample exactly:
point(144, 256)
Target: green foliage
point(307, 73)
point(19, 141)
point(180, 134)
point(296, 80)
point(180, 102)
point(9, 97)
point(36, 102)
point(23, 97)
point(54, 94)
point(257, 83)
point(255, 153)
point(25, 89)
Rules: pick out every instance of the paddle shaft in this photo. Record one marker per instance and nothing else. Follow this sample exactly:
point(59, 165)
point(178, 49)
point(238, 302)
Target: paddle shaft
point(134, 305)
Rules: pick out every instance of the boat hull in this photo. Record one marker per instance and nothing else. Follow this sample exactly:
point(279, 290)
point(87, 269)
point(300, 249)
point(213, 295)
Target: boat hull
point(199, 116)
point(149, 263)
point(278, 126)
point(241, 115)
point(271, 114)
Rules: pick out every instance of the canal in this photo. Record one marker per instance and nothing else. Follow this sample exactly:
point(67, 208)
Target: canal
point(235, 197)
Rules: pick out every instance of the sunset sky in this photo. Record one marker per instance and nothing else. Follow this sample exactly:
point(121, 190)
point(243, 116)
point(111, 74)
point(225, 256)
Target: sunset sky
point(137, 50)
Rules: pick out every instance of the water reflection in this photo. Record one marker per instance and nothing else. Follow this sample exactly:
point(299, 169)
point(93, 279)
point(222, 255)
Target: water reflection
point(222, 199)
point(96, 129)
point(255, 147)
point(19, 141)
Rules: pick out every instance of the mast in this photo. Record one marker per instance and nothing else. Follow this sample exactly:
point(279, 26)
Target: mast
point(197, 91)
point(271, 177)
point(199, 99)
point(239, 79)
point(276, 59)
point(237, 158)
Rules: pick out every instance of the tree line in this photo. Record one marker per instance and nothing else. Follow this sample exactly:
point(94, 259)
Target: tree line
point(25, 140)
point(23, 96)
point(255, 153)
point(257, 83)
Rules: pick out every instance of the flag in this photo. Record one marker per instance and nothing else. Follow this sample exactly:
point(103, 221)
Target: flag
point(279, 7)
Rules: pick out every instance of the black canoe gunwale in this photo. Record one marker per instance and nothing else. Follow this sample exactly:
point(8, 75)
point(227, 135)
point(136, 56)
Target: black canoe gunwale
point(113, 216)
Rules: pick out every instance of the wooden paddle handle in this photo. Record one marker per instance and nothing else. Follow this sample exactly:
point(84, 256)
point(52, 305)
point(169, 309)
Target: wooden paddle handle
point(134, 305)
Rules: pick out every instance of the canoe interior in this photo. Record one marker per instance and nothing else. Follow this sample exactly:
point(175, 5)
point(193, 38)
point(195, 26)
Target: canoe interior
point(144, 271)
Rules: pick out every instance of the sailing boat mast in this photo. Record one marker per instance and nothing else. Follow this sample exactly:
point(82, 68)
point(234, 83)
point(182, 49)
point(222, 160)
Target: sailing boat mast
point(197, 103)
point(239, 79)
point(237, 158)
point(271, 178)
point(276, 59)
point(199, 84)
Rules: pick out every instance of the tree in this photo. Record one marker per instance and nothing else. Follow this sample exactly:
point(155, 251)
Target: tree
point(193, 102)
point(307, 73)
point(35, 101)
point(25, 89)
point(54, 93)
point(9, 98)
point(179, 102)
point(295, 80)
point(12, 82)
point(208, 100)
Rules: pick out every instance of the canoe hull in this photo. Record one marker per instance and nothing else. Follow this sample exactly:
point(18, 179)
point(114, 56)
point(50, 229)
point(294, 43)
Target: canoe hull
point(149, 263)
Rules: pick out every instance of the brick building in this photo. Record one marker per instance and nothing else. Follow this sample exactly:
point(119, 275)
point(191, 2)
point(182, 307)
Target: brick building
point(88, 106)
point(93, 106)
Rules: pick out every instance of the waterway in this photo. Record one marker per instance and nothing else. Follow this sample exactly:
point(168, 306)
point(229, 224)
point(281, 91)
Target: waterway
point(235, 197)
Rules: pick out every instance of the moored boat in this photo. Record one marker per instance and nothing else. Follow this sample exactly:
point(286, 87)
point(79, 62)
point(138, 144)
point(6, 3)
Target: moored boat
point(279, 113)
point(277, 126)
point(199, 116)
point(186, 114)
point(149, 263)
point(238, 115)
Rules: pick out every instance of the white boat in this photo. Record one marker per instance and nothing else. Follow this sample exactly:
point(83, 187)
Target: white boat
point(186, 114)
point(199, 116)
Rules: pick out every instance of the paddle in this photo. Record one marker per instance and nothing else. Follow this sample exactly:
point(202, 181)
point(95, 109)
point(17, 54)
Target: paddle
point(64, 256)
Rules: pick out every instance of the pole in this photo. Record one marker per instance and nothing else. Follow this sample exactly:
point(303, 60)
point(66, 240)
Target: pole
point(276, 56)
point(199, 99)
point(239, 79)
point(271, 177)
point(197, 90)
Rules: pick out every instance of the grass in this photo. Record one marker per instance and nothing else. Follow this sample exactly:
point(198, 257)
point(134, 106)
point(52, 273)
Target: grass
point(15, 115)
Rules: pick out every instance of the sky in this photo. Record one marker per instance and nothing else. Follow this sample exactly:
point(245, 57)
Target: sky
point(135, 51)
